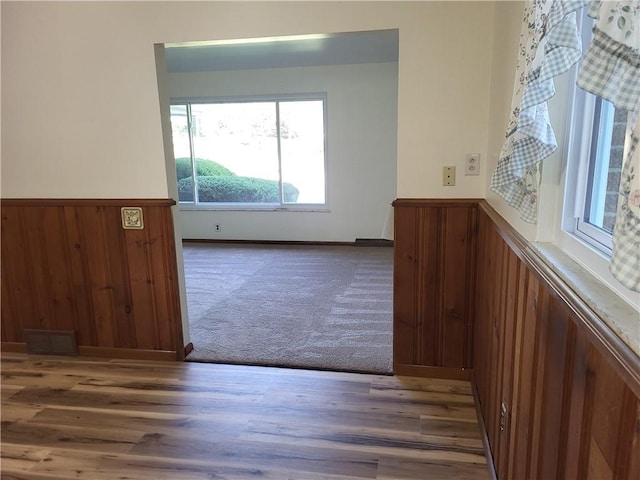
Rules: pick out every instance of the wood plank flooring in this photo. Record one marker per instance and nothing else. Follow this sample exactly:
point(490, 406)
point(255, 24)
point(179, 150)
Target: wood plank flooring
point(79, 418)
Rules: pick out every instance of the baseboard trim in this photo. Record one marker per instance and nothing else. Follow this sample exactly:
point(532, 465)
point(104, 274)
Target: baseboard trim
point(431, 372)
point(373, 242)
point(13, 347)
point(128, 353)
point(483, 432)
point(188, 348)
point(267, 242)
point(104, 352)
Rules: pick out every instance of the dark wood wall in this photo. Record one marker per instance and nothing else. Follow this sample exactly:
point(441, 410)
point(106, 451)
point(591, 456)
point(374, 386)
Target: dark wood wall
point(69, 265)
point(559, 392)
point(468, 292)
point(434, 263)
point(570, 388)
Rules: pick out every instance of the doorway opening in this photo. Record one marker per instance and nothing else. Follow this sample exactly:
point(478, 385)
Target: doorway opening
point(290, 141)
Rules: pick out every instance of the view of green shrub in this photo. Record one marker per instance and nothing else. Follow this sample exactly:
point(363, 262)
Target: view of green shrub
point(204, 168)
point(234, 189)
point(185, 190)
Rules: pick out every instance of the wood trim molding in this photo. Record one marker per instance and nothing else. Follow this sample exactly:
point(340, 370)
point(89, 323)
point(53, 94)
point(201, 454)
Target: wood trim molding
point(103, 352)
point(436, 202)
point(86, 202)
point(128, 353)
point(13, 347)
point(431, 372)
point(483, 432)
point(266, 242)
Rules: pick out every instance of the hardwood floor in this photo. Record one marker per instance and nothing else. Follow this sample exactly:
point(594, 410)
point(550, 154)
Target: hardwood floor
point(77, 418)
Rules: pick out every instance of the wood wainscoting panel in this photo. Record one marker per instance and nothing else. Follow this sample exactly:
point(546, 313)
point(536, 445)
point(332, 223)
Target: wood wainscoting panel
point(434, 264)
point(70, 265)
point(569, 387)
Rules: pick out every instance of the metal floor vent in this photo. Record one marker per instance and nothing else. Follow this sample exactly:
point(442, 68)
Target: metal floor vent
point(51, 342)
point(373, 242)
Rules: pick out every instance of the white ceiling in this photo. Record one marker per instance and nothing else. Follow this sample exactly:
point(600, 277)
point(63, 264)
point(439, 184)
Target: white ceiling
point(302, 51)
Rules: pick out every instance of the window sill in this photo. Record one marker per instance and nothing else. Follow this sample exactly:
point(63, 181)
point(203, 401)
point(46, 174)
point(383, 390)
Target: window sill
point(241, 208)
point(620, 316)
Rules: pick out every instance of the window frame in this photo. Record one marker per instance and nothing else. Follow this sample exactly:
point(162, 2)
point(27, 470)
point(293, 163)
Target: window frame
point(581, 173)
point(584, 126)
point(247, 206)
point(559, 187)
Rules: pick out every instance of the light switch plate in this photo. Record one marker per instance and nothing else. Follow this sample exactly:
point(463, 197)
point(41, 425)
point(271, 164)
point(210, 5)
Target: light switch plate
point(448, 176)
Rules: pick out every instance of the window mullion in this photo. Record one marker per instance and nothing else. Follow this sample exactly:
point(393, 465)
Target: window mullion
point(194, 177)
point(280, 185)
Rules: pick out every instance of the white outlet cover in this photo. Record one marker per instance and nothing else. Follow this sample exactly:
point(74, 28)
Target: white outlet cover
point(472, 164)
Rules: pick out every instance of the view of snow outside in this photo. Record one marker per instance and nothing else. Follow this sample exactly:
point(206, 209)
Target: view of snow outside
point(243, 138)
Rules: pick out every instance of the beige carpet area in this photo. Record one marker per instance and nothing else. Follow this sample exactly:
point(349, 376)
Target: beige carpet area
point(318, 307)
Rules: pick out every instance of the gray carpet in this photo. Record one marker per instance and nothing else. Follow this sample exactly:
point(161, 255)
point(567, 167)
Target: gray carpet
point(326, 307)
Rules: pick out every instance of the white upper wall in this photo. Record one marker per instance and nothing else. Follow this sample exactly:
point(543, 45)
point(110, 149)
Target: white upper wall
point(80, 109)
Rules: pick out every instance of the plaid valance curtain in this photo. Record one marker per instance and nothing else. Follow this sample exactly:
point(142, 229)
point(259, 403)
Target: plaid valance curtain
point(611, 69)
point(625, 259)
point(549, 46)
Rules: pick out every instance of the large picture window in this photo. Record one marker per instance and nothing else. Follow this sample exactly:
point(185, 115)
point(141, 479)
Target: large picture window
point(253, 153)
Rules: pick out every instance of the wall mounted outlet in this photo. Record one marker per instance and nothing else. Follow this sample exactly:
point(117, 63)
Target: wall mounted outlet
point(472, 164)
point(448, 176)
point(218, 227)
